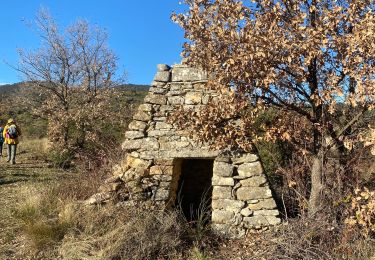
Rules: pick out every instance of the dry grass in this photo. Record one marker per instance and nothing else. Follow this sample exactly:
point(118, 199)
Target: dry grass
point(39, 215)
point(117, 232)
point(36, 149)
point(57, 226)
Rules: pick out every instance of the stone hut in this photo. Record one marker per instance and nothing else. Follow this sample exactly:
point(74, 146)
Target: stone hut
point(164, 167)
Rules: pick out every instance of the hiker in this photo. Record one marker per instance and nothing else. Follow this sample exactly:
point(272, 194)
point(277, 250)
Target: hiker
point(11, 133)
point(1, 140)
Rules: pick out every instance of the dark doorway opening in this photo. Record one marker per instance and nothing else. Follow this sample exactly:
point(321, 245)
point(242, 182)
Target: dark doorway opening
point(195, 189)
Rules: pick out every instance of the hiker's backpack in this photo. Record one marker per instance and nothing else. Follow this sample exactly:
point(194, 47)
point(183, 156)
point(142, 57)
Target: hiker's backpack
point(1, 135)
point(12, 131)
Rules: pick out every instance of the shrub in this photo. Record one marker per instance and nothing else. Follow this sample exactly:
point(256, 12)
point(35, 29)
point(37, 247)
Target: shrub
point(310, 239)
point(62, 159)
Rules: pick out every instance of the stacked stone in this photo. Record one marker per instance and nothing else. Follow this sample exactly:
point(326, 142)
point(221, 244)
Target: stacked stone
point(149, 131)
point(241, 196)
point(153, 143)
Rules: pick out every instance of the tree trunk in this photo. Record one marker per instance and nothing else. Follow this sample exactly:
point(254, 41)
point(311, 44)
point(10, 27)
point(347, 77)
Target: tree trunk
point(315, 200)
point(66, 134)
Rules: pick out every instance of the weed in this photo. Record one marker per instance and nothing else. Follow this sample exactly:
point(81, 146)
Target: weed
point(199, 255)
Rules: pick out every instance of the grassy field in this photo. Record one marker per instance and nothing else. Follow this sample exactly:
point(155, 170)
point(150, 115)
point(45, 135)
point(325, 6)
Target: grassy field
point(18, 183)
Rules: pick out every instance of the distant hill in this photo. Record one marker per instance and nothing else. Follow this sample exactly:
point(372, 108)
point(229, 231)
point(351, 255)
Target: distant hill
point(4, 89)
point(133, 87)
point(8, 88)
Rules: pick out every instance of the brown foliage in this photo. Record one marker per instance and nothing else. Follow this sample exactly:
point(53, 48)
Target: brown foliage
point(303, 58)
point(313, 61)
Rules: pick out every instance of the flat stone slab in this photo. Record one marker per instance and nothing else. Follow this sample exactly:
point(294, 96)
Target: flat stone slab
point(161, 195)
point(222, 181)
point(247, 158)
point(221, 192)
point(193, 98)
point(134, 134)
point(156, 99)
point(249, 193)
point(137, 125)
point(186, 153)
point(144, 143)
point(142, 116)
point(263, 204)
point(184, 73)
point(228, 204)
point(259, 221)
point(162, 76)
point(250, 169)
point(254, 181)
point(221, 216)
point(222, 169)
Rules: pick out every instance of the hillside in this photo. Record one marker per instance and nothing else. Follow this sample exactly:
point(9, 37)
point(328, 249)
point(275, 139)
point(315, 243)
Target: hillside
point(8, 88)
point(17, 101)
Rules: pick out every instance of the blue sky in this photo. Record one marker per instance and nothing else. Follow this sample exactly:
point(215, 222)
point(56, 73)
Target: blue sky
point(140, 32)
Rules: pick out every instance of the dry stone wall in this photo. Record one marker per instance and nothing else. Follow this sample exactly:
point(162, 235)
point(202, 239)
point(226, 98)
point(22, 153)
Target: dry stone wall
point(241, 196)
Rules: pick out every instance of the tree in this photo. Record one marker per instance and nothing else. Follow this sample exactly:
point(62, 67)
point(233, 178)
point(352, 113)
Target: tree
point(73, 71)
point(310, 59)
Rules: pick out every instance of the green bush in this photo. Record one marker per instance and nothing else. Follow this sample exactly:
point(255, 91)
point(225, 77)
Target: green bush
point(62, 159)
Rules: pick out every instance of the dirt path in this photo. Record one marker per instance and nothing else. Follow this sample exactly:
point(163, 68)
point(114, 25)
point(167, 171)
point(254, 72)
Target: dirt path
point(16, 183)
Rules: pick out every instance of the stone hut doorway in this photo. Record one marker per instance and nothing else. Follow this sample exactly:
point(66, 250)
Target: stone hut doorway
point(194, 193)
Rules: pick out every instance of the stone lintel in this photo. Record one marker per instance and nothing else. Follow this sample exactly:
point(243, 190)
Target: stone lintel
point(185, 73)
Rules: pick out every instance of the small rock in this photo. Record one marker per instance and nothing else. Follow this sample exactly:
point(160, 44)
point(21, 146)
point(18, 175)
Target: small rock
point(246, 212)
point(163, 67)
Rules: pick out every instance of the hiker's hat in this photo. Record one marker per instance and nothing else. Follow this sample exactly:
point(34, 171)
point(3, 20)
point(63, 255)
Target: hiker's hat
point(10, 120)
